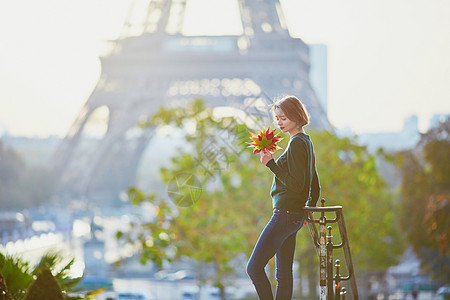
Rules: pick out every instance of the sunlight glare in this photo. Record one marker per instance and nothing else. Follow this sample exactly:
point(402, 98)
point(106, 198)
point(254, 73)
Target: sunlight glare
point(212, 17)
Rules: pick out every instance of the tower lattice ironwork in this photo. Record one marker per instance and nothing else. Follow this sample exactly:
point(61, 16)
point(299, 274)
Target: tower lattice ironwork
point(153, 64)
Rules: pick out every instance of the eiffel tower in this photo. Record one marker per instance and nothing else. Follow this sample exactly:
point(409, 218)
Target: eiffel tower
point(159, 66)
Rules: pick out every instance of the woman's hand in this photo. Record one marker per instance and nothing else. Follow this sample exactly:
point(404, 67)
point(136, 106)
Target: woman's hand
point(265, 156)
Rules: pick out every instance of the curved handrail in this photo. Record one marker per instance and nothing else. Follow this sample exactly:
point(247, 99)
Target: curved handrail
point(339, 219)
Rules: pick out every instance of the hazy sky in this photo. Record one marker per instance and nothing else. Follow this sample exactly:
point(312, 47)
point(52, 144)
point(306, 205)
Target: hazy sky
point(387, 59)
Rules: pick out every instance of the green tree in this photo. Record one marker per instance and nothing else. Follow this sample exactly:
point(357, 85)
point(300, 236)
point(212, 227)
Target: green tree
point(350, 178)
point(425, 209)
point(224, 198)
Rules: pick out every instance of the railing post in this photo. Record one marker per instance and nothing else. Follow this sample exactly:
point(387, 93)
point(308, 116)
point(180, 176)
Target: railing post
point(330, 290)
point(337, 278)
point(325, 247)
point(323, 254)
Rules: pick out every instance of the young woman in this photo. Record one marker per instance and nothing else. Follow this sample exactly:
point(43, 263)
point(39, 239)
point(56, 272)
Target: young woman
point(295, 185)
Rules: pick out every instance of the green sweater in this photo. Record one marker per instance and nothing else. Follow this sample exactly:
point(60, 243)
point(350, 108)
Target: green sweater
point(295, 183)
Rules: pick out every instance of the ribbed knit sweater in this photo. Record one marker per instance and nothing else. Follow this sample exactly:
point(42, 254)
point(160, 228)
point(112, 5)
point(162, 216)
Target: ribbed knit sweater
point(295, 183)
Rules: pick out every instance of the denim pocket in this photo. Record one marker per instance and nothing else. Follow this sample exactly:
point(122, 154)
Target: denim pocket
point(295, 218)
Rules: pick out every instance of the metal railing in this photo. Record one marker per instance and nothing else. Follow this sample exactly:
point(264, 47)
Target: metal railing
point(324, 247)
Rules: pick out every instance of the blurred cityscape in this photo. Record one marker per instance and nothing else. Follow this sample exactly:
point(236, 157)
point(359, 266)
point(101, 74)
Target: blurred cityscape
point(73, 197)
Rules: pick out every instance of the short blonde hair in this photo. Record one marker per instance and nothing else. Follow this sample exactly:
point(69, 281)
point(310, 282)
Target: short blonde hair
point(293, 109)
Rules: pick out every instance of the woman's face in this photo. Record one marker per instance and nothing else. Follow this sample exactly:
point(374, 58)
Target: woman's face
point(283, 122)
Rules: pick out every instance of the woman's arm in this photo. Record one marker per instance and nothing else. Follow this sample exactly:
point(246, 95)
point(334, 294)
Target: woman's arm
point(315, 190)
point(294, 178)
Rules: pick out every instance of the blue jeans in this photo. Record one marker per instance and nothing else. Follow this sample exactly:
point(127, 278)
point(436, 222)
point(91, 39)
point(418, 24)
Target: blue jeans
point(277, 238)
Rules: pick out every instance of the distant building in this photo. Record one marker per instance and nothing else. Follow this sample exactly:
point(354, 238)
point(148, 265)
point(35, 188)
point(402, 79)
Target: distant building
point(3, 130)
point(405, 139)
point(437, 119)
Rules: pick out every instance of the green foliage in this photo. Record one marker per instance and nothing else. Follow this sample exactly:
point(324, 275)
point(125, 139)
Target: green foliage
point(56, 262)
point(4, 293)
point(18, 275)
point(349, 177)
point(425, 203)
point(45, 287)
point(22, 186)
